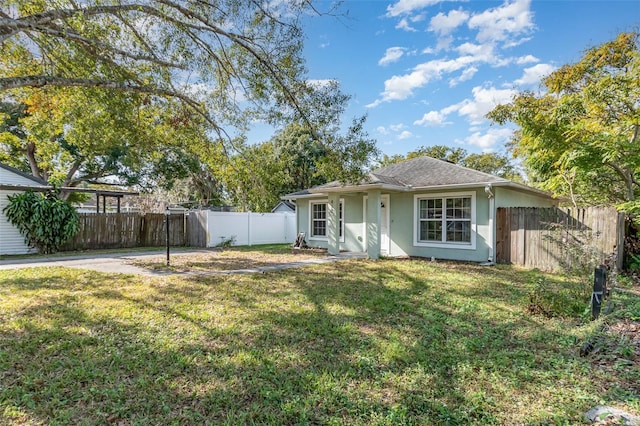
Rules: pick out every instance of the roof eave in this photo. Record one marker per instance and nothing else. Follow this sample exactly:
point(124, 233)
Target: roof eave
point(524, 188)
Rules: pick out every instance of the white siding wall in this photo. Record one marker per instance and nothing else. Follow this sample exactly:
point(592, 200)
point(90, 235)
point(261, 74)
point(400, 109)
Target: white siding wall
point(11, 241)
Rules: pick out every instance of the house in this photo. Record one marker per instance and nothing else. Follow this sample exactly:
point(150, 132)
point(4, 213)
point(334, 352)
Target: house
point(421, 207)
point(13, 181)
point(284, 206)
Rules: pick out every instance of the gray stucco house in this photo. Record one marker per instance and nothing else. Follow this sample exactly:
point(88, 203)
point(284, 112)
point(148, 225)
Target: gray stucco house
point(421, 207)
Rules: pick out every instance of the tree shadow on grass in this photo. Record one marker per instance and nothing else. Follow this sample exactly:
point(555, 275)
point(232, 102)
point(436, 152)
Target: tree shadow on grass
point(347, 343)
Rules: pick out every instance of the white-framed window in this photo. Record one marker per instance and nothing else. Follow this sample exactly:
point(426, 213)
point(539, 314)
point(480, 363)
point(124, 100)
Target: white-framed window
point(318, 220)
point(445, 220)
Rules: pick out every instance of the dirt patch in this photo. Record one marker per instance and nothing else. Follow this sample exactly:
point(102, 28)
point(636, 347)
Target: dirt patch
point(226, 260)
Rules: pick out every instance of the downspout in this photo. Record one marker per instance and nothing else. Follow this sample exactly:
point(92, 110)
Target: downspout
point(492, 213)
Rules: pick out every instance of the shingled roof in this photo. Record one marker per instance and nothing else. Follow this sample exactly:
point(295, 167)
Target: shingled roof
point(420, 172)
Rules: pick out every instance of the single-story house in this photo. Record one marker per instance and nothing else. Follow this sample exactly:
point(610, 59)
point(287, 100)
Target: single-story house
point(421, 207)
point(13, 181)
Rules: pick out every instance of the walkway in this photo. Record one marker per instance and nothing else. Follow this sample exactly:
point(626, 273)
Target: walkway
point(120, 263)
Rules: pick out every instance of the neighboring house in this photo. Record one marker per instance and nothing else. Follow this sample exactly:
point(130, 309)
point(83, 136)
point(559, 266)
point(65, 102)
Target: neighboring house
point(421, 207)
point(13, 181)
point(284, 206)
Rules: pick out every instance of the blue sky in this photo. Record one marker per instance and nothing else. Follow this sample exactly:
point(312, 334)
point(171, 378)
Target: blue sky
point(426, 71)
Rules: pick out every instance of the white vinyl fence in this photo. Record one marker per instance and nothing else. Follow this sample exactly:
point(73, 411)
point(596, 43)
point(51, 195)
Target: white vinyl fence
point(246, 229)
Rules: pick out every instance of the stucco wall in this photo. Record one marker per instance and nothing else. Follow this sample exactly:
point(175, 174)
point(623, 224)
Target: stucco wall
point(353, 228)
point(402, 229)
point(401, 222)
point(506, 197)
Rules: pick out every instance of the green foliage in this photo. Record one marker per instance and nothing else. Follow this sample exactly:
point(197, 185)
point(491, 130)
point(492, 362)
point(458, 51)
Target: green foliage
point(569, 298)
point(579, 138)
point(634, 262)
point(46, 222)
point(295, 159)
point(155, 94)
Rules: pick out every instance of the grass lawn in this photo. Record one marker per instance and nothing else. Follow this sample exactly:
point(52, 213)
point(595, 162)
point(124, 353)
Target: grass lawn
point(384, 342)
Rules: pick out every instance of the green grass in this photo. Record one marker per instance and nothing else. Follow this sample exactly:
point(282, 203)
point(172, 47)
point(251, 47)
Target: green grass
point(361, 342)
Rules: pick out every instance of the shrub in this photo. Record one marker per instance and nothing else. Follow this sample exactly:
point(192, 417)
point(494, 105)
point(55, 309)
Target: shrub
point(569, 299)
point(45, 221)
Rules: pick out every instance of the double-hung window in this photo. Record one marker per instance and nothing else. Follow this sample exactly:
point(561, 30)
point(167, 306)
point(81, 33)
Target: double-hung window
point(318, 219)
point(443, 219)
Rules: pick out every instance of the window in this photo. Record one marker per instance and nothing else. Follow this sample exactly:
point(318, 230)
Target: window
point(445, 219)
point(319, 219)
point(318, 213)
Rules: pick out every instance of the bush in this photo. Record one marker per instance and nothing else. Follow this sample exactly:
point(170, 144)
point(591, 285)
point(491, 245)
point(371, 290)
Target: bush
point(45, 221)
point(569, 299)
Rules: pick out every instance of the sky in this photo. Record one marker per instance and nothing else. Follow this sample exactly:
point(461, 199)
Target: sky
point(425, 72)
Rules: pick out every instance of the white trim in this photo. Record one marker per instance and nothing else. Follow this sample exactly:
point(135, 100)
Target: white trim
point(459, 246)
point(325, 201)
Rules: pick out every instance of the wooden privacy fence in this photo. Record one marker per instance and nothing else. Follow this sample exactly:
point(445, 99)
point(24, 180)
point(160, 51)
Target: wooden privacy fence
point(126, 230)
point(553, 238)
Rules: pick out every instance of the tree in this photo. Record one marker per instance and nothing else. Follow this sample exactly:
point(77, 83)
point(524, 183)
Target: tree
point(121, 79)
point(226, 60)
point(580, 138)
point(73, 137)
point(294, 160)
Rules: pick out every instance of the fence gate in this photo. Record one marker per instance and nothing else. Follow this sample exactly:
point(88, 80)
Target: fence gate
point(197, 228)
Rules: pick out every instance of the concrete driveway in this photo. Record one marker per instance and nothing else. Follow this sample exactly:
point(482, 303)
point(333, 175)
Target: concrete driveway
point(120, 263)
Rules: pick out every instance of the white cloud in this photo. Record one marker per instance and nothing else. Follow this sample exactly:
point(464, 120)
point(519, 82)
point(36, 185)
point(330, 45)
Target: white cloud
point(465, 76)
point(404, 7)
point(534, 74)
point(397, 127)
point(445, 24)
point(405, 135)
point(504, 22)
point(382, 130)
point(403, 24)
point(486, 141)
point(393, 54)
point(400, 87)
point(484, 100)
point(432, 119)
point(529, 59)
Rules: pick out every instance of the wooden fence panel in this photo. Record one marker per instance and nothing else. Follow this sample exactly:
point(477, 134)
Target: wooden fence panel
point(552, 238)
point(197, 228)
point(127, 230)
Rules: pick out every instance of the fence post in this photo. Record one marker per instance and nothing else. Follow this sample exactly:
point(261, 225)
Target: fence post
point(599, 290)
point(249, 228)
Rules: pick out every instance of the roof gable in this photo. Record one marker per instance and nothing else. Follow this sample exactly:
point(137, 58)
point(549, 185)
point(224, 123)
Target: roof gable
point(10, 175)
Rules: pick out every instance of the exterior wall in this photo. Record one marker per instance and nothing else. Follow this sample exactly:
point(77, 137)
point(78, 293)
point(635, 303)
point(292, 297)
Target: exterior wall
point(11, 241)
point(353, 229)
point(401, 222)
point(506, 197)
point(402, 228)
